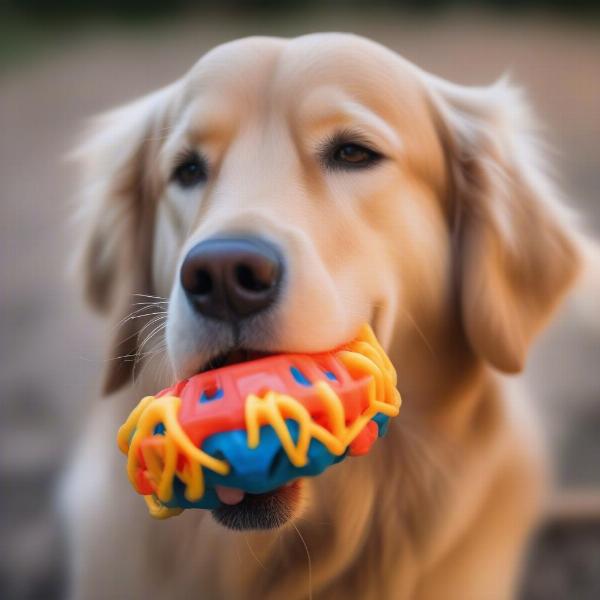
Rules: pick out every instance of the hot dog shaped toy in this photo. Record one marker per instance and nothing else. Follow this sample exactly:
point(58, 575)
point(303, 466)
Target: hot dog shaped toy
point(258, 425)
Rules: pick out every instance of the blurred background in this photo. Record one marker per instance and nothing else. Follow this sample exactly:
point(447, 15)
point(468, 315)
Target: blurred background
point(65, 60)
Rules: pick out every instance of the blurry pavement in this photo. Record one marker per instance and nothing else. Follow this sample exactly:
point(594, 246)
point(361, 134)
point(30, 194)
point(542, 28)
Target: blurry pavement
point(50, 348)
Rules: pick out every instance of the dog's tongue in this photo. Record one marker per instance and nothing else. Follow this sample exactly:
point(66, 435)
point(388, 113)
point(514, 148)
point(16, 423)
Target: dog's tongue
point(229, 495)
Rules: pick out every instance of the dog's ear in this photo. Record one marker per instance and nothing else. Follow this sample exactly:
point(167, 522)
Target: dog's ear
point(116, 213)
point(515, 243)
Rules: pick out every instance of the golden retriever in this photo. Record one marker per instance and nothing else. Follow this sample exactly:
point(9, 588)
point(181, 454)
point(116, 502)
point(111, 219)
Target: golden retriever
point(276, 197)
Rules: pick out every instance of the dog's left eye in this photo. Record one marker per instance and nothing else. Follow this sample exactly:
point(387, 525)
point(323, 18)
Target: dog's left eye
point(190, 171)
point(349, 155)
point(353, 154)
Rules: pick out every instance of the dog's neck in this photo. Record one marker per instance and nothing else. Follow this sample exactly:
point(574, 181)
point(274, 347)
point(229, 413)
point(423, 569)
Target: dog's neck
point(441, 381)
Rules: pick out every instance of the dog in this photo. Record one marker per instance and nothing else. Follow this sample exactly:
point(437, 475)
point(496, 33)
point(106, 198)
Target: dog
point(276, 197)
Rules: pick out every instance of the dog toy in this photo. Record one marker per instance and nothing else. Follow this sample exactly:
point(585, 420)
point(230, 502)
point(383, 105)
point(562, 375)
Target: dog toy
point(258, 425)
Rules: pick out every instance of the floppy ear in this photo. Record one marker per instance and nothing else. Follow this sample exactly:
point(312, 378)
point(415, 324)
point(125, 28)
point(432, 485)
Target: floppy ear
point(115, 220)
point(515, 243)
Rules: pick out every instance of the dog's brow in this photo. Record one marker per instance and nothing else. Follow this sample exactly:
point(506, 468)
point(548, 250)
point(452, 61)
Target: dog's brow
point(210, 122)
point(349, 113)
point(210, 127)
point(204, 122)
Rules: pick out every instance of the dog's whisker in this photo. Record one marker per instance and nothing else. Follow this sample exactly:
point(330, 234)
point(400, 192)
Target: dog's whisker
point(150, 324)
point(159, 354)
point(138, 333)
point(236, 547)
point(124, 358)
point(144, 315)
point(149, 337)
point(308, 558)
point(137, 311)
point(158, 350)
point(130, 336)
point(166, 366)
point(420, 332)
point(128, 357)
point(161, 312)
point(158, 316)
point(253, 553)
point(150, 296)
point(150, 302)
point(134, 312)
point(139, 356)
point(157, 329)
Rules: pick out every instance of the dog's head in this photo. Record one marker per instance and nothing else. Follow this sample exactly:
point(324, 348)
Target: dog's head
point(284, 192)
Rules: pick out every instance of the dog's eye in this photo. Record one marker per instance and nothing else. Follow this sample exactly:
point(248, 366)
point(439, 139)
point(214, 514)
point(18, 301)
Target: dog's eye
point(353, 154)
point(349, 155)
point(190, 171)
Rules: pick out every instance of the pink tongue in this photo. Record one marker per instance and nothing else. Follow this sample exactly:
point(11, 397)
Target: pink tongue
point(229, 495)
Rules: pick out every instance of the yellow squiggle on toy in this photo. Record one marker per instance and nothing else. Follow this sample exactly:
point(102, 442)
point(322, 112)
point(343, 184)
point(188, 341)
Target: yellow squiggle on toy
point(161, 462)
point(362, 356)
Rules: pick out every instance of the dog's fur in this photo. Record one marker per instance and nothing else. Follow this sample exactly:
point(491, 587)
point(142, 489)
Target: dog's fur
point(454, 247)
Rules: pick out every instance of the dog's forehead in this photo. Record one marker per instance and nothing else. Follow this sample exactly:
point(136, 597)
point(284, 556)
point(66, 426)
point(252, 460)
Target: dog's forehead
point(236, 64)
point(288, 70)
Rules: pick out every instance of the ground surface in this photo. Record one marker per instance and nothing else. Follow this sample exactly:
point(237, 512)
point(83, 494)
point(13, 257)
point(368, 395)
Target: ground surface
point(49, 353)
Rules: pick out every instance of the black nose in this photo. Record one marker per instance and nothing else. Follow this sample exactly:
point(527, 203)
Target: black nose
point(230, 278)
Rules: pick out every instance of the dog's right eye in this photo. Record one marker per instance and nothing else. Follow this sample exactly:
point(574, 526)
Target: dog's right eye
point(191, 171)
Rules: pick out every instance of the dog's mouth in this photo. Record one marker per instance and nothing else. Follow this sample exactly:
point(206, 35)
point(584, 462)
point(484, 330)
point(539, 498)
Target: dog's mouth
point(241, 510)
point(232, 357)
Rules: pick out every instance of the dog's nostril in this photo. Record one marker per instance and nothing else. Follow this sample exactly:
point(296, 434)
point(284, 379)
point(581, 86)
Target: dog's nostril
point(251, 280)
point(203, 283)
